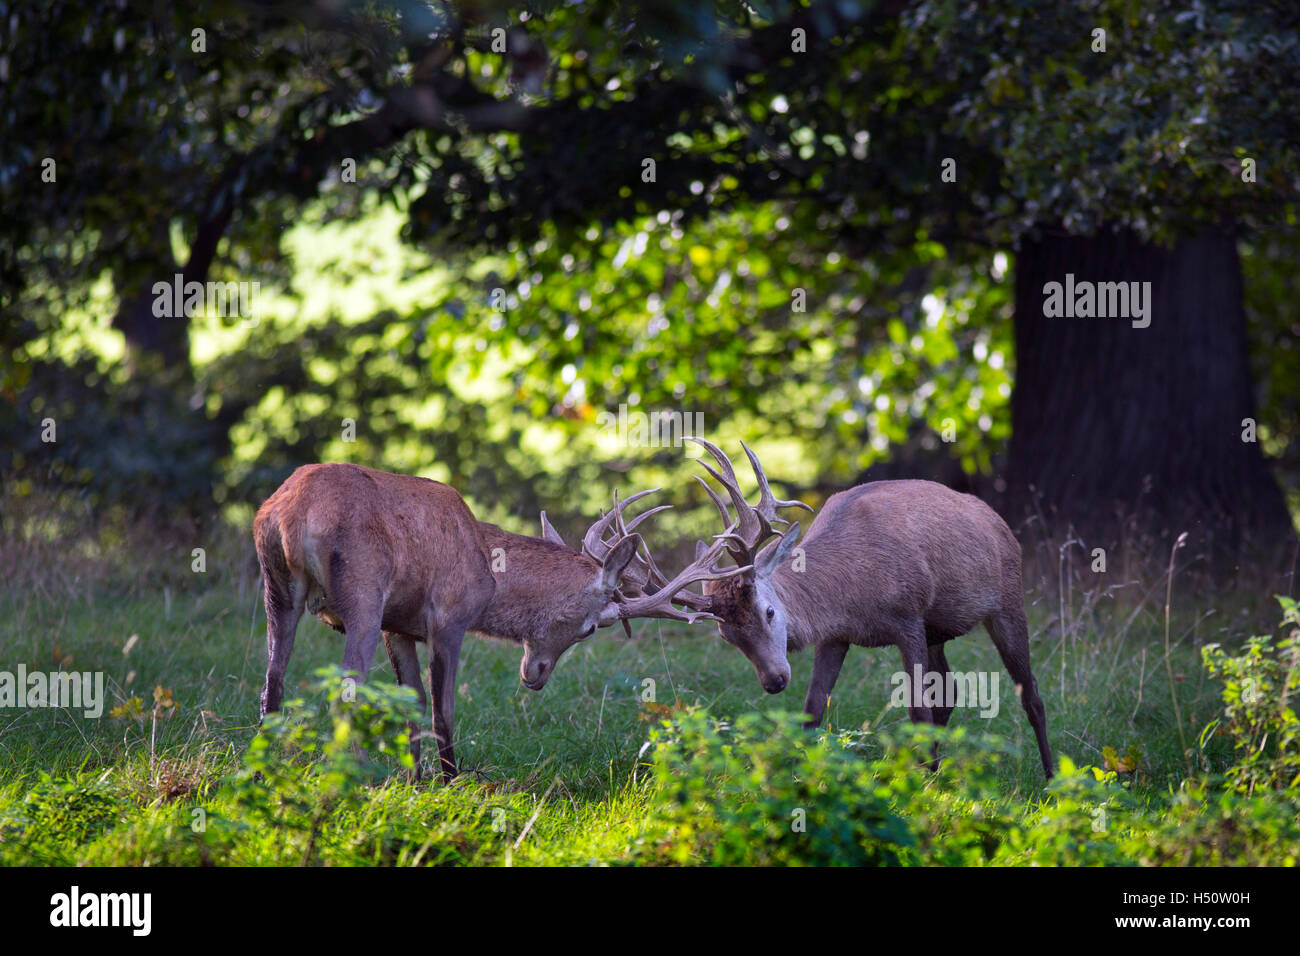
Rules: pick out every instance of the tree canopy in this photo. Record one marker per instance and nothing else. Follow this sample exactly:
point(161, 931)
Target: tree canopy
point(795, 218)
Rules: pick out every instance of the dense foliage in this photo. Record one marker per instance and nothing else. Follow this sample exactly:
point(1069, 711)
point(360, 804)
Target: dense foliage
point(512, 143)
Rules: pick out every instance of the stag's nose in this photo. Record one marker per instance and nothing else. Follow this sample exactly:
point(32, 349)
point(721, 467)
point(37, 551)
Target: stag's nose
point(534, 676)
point(775, 683)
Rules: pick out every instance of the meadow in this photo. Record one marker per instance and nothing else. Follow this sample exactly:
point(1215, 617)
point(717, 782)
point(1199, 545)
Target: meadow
point(662, 749)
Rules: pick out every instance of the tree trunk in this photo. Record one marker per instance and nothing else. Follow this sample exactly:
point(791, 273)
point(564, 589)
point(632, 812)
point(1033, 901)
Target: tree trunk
point(157, 343)
point(1119, 429)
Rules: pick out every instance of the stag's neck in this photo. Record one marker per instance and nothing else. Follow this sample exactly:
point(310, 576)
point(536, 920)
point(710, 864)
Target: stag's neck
point(523, 570)
point(814, 598)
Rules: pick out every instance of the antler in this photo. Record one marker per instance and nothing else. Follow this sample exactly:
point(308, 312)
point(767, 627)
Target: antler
point(753, 524)
point(645, 591)
point(659, 604)
point(595, 545)
point(767, 503)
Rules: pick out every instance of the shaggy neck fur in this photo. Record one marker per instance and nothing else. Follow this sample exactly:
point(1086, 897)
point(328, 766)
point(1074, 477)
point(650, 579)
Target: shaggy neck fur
point(529, 573)
point(818, 600)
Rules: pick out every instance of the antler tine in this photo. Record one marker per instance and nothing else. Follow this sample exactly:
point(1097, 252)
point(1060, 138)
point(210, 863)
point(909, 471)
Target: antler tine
point(753, 527)
point(767, 503)
point(631, 498)
point(631, 525)
point(654, 576)
point(729, 536)
point(621, 530)
point(594, 543)
point(723, 461)
point(717, 501)
point(660, 603)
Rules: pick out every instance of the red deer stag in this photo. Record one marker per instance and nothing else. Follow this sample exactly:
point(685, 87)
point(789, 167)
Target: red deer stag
point(908, 563)
point(374, 553)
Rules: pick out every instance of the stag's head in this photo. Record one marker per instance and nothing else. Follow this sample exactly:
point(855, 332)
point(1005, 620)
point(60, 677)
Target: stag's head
point(614, 579)
point(750, 614)
point(571, 595)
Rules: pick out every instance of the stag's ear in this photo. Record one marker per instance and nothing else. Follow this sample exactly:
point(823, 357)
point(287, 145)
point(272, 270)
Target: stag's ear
point(616, 562)
point(770, 558)
point(549, 533)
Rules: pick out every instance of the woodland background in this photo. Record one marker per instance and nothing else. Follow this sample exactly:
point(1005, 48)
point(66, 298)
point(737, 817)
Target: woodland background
point(799, 272)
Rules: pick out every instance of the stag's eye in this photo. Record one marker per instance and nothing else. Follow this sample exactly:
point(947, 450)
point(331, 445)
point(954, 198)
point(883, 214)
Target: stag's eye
point(771, 613)
point(587, 633)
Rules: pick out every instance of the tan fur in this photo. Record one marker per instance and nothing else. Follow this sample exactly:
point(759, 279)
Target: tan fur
point(908, 563)
point(371, 552)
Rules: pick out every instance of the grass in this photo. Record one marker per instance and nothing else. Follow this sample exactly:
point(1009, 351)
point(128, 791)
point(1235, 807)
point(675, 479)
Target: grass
point(557, 777)
point(589, 722)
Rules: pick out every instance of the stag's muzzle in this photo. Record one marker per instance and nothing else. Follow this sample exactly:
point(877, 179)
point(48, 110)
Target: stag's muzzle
point(774, 680)
point(534, 672)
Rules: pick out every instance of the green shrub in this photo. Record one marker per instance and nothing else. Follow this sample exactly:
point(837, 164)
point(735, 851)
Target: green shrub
point(311, 761)
point(1084, 819)
point(57, 818)
point(1259, 686)
point(764, 791)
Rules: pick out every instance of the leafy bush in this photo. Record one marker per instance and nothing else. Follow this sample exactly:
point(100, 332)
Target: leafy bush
point(312, 759)
point(56, 819)
point(763, 791)
point(1084, 820)
point(1259, 718)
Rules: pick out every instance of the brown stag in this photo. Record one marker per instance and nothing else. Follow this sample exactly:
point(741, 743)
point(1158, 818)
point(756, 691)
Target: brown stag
point(373, 553)
point(908, 563)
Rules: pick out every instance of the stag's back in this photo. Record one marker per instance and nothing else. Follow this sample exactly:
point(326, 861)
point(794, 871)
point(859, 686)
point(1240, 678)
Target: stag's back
point(345, 529)
point(918, 547)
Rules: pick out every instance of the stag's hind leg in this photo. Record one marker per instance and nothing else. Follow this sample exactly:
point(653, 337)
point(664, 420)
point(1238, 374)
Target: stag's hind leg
point(360, 608)
point(285, 598)
point(916, 660)
point(1010, 633)
point(406, 665)
point(362, 616)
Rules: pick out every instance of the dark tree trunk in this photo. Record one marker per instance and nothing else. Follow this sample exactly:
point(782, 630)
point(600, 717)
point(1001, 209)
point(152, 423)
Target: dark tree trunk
point(163, 342)
point(166, 340)
point(1118, 429)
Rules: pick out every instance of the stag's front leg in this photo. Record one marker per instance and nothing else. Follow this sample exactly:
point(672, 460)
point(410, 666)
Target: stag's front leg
point(939, 665)
point(444, 658)
point(828, 658)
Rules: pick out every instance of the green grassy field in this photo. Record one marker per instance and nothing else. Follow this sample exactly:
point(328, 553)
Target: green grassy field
point(566, 776)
